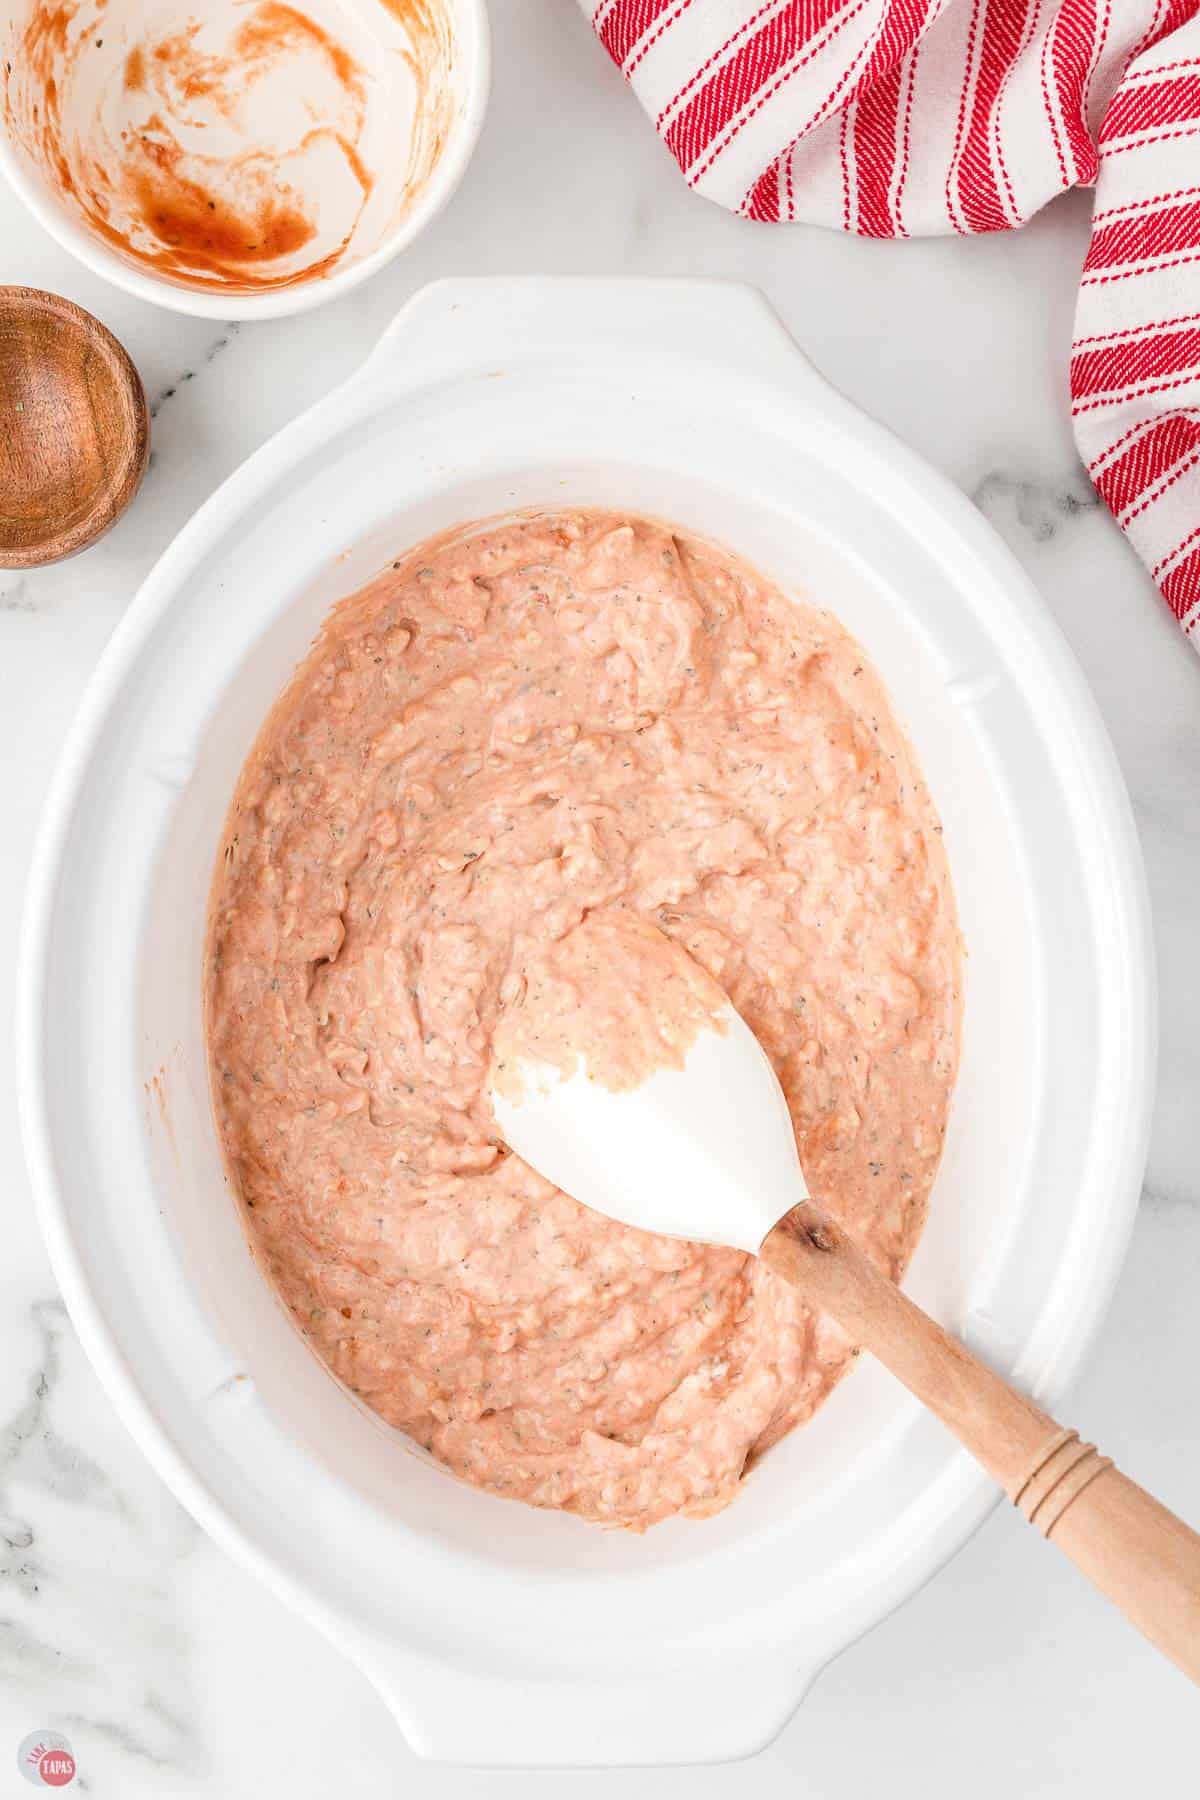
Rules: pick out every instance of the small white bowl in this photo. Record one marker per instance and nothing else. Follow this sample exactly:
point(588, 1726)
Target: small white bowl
point(256, 160)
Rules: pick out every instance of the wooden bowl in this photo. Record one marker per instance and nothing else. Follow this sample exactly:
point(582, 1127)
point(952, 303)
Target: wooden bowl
point(74, 428)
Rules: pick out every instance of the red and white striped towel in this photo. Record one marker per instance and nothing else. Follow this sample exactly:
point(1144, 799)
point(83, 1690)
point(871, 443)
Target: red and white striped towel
point(896, 118)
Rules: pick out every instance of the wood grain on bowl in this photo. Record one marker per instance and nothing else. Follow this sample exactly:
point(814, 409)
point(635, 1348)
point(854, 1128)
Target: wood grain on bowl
point(74, 428)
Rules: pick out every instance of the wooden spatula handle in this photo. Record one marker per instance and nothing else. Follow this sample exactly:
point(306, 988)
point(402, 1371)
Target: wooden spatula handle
point(1145, 1559)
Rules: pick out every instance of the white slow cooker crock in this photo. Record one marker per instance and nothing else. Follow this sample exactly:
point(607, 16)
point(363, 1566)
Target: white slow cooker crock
point(498, 1634)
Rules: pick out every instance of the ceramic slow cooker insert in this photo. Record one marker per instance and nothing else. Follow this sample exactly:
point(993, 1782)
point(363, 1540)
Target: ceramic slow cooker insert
point(499, 1634)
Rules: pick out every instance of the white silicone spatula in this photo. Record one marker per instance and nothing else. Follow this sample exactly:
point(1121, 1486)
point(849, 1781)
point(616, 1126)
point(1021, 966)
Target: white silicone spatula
point(707, 1151)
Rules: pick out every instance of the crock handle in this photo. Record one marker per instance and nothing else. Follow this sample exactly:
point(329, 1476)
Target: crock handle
point(455, 1715)
point(1145, 1559)
point(492, 324)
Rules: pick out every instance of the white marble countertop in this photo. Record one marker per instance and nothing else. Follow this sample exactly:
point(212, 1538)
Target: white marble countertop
point(172, 1672)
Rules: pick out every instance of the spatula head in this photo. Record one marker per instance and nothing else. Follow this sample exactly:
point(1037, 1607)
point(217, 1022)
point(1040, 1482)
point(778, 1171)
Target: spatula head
point(706, 1151)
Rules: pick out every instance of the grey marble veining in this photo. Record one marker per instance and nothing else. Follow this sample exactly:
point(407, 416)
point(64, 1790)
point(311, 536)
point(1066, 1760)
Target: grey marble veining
point(31, 1449)
point(90, 1549)
point(207, 357)
point(175, 1674)
point(16, 594)
point(1041, 508)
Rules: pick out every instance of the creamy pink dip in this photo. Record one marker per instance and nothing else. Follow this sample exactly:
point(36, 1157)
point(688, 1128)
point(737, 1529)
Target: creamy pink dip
point(513, 729)
point(616, 994)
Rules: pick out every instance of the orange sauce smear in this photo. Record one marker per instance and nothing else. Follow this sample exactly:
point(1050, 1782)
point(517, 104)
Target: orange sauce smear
point(198, 231)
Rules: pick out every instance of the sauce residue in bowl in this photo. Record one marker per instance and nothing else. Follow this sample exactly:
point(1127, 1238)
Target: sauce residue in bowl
point(254, 146)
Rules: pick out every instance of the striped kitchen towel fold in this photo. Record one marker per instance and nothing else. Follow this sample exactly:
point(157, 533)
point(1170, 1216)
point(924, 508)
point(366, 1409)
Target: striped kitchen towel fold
point(897, 118)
